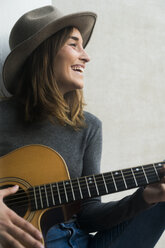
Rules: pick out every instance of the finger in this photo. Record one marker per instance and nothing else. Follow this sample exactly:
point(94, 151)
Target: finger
point(6, 240)
point(9, 191)
point(163, 169)
point(26, 226)
point(162, 180)
point(24, 238)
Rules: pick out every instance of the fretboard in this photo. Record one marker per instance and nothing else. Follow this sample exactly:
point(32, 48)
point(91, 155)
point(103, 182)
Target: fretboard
point(58, 193)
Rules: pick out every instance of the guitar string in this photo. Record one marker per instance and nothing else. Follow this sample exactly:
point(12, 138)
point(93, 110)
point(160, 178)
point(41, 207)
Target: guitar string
point(74, 181)
point(25, 203)
point(107, 181)
point(117, 176)
point(9, 201)
point(84, 184)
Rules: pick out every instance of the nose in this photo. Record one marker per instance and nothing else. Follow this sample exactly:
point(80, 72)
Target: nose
point(84, 56)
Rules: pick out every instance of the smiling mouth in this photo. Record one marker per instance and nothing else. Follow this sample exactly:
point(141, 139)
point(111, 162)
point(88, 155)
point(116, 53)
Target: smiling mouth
point(77, 69)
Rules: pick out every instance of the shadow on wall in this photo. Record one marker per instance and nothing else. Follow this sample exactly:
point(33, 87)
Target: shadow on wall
point(4, 50)
point(3, 91)
point(10, 11)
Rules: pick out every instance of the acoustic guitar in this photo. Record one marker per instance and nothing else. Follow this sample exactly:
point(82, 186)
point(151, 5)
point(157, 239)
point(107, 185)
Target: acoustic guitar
point(44, 184)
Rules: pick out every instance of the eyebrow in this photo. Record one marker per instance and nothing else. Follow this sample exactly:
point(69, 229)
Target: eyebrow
point(74, 38)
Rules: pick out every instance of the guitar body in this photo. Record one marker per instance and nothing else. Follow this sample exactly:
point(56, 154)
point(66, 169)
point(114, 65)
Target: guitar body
point(36, 165)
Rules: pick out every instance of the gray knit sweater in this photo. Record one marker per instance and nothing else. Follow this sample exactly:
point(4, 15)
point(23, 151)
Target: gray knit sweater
point(81, 151)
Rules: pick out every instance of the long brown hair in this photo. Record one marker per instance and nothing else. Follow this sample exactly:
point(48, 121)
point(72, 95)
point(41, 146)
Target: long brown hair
point(38, 89)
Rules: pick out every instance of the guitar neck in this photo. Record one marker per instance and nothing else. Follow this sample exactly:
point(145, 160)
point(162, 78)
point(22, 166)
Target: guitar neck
point(59, 193)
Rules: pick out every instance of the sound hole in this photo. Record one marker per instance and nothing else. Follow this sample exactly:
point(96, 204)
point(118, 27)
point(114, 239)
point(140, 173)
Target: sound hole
point(18, 202)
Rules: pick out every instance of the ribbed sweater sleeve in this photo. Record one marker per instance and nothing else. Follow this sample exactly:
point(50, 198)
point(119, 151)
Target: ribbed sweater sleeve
point(95, 215)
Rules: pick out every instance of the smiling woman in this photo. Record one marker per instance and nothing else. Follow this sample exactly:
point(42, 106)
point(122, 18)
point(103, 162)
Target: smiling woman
point(44, 74)
point(55, 69)
point(70, 63)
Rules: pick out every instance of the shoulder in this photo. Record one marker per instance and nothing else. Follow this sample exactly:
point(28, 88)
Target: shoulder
point(93, 125)
point(93, 131)
point(8, 108)
point(7, 103)
point(92, 120)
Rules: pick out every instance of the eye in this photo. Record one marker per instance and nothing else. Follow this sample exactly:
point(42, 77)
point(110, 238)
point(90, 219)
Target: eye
point(73, 44)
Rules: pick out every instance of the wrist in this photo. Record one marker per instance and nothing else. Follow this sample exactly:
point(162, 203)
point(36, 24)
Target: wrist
point(147, 197)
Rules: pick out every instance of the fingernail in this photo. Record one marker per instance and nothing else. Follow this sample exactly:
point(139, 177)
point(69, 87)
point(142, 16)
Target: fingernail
point(40, 236)
point(16, 186)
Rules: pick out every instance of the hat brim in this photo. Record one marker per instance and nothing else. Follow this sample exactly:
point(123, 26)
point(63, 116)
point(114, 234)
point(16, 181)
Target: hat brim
point(84, 21)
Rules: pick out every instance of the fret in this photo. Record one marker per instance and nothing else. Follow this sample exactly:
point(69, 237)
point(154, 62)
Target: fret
point(49, 195)
point(62, 192)
point(129, 178)
point(145, 175)
point(96, 185)
point(72, 190)
point(65, 191)
point(40, 196)
point(47, 201)
point(117, 175)
point(76, 190)
point(106, 189)
point(156, 171)
point(58, 190)
point(134, 177)
point(114, 181)
point(158, 167)
point(44, 196)
point(140, 177)
point(151, 173)
point(56, 194)
point(51, 190)
point(100, 184)
point(84, 187)
point(80, 188)
point(109, 182)
point(124, 179)
point(92, 186)
point(35, 198)
point(69, 190)
point(87, 187)
point(32, 197)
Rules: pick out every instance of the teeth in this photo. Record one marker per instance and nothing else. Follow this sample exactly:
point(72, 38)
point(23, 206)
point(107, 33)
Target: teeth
point(78, 68)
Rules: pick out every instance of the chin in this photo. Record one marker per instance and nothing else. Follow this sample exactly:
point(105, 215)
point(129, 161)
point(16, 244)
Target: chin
point(78, 86)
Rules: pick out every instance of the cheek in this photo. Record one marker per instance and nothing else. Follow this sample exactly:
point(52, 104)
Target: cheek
point(63, 61)
point(59, 66)
point(63, 72)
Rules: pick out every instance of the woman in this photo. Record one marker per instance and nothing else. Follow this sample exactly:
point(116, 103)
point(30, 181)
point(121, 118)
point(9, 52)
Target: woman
point(44, 73)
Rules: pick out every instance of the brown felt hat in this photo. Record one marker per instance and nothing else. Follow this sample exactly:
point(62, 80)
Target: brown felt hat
point(32, 29)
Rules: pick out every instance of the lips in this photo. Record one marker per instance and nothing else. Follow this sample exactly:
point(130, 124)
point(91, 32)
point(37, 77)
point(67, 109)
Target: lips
point(79, 68)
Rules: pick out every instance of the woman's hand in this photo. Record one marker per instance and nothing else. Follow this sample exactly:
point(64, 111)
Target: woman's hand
point(15, 232)
point(155, 193)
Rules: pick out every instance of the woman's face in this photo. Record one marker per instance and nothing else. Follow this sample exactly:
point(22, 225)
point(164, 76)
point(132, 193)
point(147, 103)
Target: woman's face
point(70, 63)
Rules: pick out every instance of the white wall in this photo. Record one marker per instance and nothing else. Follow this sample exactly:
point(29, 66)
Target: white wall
point(125, 80)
